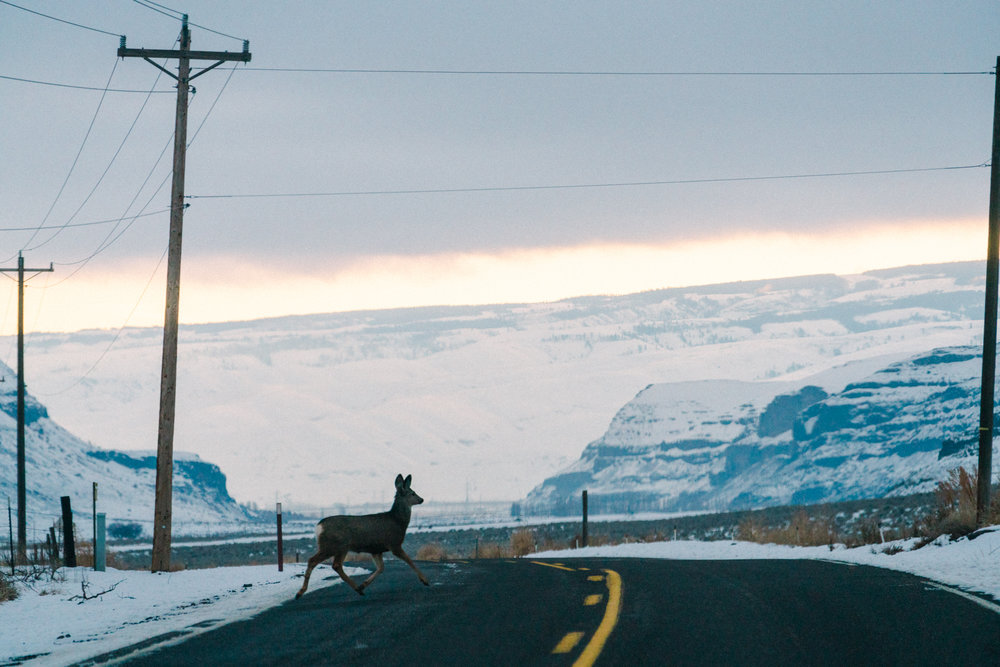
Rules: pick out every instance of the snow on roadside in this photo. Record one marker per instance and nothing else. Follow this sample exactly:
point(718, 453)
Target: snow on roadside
point(972, 565)
point(51, 621)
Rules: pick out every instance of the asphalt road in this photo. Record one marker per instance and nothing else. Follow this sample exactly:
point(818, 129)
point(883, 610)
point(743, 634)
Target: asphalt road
point(661, 613)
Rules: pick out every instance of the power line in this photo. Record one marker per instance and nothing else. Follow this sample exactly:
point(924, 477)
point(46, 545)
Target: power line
point(695, 73)
point(179, 16)
point(106, 243)
point(580, 186)
point(75, 160)
point(106, 169)
point(149, 4)
point(69, 85)
point(92, 223)
point(114, 339)
point(77, 25)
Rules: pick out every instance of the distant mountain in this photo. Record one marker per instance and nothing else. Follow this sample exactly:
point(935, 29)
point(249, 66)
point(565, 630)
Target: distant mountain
point(57, 464)
point(482, 402)
point(732, 445)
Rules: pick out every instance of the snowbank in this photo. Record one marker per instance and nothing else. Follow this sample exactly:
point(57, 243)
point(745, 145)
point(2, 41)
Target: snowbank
point(51, 620)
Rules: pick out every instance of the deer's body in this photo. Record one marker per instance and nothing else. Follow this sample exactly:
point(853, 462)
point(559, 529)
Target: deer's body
point(371, 533)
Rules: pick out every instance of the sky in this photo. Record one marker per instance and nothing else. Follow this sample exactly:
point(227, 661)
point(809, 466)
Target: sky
point(376, 155)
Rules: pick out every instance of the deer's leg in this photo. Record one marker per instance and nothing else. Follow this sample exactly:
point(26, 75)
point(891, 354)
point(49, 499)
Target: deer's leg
point(399, 553)
point(379, 566)
point(314, 560)
point(338, 565)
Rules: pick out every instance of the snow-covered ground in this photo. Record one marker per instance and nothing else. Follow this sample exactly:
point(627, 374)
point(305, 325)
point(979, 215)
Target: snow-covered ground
point(50, 619)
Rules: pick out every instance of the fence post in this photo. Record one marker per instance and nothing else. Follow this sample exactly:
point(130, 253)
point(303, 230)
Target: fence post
point(53, 546)
point(93, 515)
point(281, 551)
point(583, 539)
point(100, 557)
point(69, 545)
point(10, 523)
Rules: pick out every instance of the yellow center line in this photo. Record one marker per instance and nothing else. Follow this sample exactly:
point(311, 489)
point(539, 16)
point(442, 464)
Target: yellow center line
point(596, 644)
point(568, 643)
point(591, 600)
point(596, 577)
point(558, 566)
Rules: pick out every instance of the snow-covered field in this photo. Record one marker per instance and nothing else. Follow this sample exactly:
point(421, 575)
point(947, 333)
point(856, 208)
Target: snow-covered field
point(50, 620)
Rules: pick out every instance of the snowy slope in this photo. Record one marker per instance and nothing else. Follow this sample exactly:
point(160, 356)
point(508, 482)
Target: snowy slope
point(57, 464)
point(479, 402)
point(726, 444)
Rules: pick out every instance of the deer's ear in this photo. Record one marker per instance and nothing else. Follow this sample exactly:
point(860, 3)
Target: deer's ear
point(399, 481)
point(406, 482)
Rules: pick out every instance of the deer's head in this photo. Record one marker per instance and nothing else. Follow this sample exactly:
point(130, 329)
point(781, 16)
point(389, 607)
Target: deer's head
point(405, 493)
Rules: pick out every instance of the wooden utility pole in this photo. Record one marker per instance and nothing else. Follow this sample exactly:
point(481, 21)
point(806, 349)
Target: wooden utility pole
point(22, 512)
point(990, 322)
point(168, 378)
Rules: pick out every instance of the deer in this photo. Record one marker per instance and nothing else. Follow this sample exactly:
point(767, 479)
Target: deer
point(370, 533)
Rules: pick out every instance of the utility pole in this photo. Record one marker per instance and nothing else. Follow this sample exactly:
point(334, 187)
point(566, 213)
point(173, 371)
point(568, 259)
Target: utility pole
point(990, 322)
point(22, 512)
point(168, 378)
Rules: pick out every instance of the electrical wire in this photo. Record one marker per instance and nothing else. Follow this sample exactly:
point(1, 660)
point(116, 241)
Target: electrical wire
point(92, 223)
point(114, 339)
point(600, 73)
point(77, 25)
point(68, 85)
point(580, 186)
point(178, 15)
point(149, 4)
point(108, 240)
point(106, 169)
point(106, 244)
point(72, 166)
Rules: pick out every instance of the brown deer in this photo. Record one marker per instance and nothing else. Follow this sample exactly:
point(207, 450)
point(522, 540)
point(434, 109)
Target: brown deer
point(372, 533)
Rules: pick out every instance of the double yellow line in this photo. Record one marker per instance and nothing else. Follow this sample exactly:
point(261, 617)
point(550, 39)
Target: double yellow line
point(594, 647)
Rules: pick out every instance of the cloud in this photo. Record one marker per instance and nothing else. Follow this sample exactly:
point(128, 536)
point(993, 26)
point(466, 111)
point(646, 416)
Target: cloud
point(231, 288)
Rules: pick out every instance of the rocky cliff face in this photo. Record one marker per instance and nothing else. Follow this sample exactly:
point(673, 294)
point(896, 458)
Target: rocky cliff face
point(57, 464)
point(726, 444)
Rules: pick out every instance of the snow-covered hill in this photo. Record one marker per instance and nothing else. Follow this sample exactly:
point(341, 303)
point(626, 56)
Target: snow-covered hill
point(57, 464)
point(479, 402)
point(726, 444)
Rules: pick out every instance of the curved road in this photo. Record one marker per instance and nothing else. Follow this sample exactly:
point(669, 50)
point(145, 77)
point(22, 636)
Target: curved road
point(608, 612)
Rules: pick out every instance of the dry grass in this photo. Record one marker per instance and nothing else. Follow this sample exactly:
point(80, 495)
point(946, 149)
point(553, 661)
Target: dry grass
point(7, 589)
point(432, 551)
point(85, 556)
point(492, 550)
point(522, 543)
point(957, 498)
point(802, 531)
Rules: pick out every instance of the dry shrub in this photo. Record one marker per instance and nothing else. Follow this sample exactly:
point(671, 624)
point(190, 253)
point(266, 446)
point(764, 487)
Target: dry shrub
point(956, 505)
point(431, 551)
point(85, 556)
point(522, 543)
point(956, 499)
point(750, 530)
point(7, 589)
point(802, 530)
point(492, 550)
point(550, 544)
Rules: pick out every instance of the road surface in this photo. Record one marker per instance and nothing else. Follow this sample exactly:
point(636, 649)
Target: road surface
point(608, 612)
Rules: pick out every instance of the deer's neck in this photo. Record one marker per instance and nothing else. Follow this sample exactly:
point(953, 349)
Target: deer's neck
point(400, 512)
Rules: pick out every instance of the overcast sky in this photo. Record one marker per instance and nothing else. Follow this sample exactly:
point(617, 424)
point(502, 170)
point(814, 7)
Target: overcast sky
point(351, 141)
